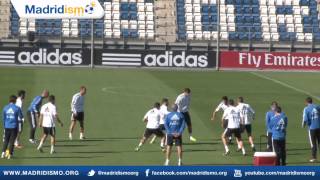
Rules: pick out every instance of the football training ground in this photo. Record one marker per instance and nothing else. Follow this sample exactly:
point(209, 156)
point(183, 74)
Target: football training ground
point(117, 99)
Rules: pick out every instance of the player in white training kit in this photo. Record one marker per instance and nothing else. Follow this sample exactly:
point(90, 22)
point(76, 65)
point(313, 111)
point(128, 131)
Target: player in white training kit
point(183, 103)
point(222, 107)
point(247, 114)
point(48, 116)
point(232, 114)
point(152, 118)
point(77, 112)
point(19, 103)
point(163, 113)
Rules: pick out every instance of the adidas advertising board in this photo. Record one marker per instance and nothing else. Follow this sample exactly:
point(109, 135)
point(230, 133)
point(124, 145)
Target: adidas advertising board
point(154, 58)
point(45, 56)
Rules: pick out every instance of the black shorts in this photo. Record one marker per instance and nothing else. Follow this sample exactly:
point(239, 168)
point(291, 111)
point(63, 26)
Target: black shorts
point(187, 118)
point(162, 128)
point(149, 132)
point(236, 132)
point(171, 139)
point(248, 129)
point(78, 117)
point(49, 131)
point(225, 123)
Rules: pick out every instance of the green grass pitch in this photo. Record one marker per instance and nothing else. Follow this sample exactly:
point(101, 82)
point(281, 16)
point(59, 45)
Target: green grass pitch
point(117, 99)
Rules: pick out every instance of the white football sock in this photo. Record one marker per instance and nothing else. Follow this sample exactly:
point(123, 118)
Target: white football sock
point(226, 148)
point(243, 151)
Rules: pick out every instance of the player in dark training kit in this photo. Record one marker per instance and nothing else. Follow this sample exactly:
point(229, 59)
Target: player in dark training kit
point(34, 114)
point(312, 120)
point(278, 126)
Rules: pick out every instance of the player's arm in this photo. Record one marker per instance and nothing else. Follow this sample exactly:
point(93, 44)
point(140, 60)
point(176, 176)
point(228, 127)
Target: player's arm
point(58, 120)
point(166, 125)
point(223, 117)
point(20, 115)
point(304, 118)
point(217, 109)
point(3, 117)
point(183, 126)
point(36, 105)
point(73, 105)
point(252, 112)
point(267, 119)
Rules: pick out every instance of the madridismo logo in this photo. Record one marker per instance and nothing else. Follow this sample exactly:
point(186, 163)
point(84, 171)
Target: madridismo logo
point(54, 57)
point(57, 9)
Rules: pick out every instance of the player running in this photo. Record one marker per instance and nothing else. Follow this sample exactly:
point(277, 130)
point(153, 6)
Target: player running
point(232, 114)
point(77, 110)
point(222, 107)
point(175, 125)
point(278, 125)
point(19, 103)
point(312, 120)
point(269, 116)
point(163, 113)
point(183, 103)
point(247, 114)
point(152, 118)
point(48, 116)
point(34, 113)
point(11, 115)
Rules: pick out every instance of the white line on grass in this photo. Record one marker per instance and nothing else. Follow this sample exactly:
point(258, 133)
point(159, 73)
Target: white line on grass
point(286, 85)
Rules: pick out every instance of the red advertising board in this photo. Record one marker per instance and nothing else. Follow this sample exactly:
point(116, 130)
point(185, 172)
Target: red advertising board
point(270, 60)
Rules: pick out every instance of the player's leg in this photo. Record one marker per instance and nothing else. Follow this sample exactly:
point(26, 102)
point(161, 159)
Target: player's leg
point(72, 125)
point(17, 143)
point(159, 133)
point(53, 139)
point(313, 144)
point(283, 153)
point(5, 143)
point(153, 139)
point(43, 139)
point(237, 134)
point(178, 141)
point(33, 125)
point(189, 125)
point(250, 137)
point(81, 122)
point(276, 149)
point(169, 149)
point(270, 143)
point(13, 136)
point(145, 137)
point(224, 138)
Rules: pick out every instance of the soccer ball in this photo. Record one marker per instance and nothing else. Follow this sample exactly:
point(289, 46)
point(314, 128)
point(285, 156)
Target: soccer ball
point(89, 9)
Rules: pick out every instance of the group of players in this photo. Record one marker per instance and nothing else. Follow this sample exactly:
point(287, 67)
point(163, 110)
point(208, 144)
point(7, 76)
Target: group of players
point(237, 118)
point(43, 116)
point(169, 126)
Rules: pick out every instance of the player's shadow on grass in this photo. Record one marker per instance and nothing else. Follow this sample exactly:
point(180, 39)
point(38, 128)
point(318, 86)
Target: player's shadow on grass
point(298, 149)
point(93, 152)
point(61, 157)
point(70, 145)
point(200, 150)
point(201, 143)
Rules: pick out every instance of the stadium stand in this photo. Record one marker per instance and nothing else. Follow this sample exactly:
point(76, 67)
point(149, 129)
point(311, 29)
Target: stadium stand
point(180, 20)
point(4, 18)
